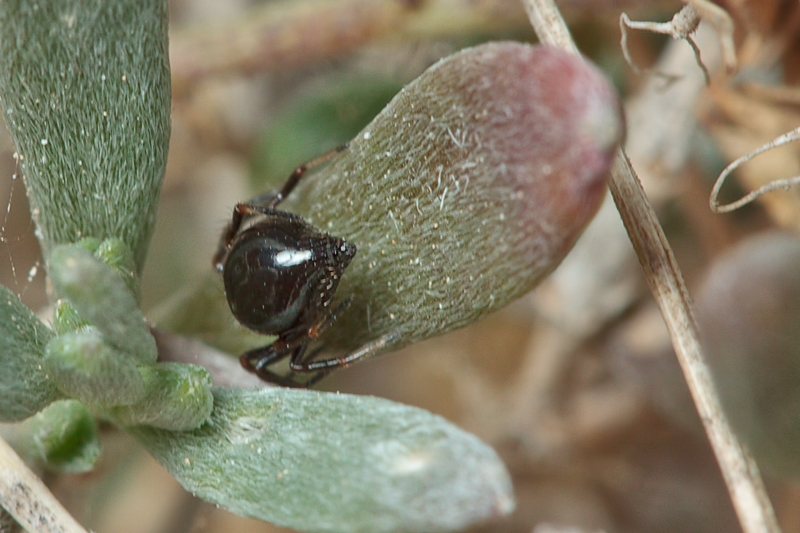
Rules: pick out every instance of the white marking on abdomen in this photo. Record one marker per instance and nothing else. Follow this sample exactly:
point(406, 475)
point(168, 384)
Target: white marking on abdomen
point(292, 257)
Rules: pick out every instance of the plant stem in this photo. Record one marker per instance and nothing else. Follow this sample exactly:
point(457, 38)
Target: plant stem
point(28, 500)
point(669, 290)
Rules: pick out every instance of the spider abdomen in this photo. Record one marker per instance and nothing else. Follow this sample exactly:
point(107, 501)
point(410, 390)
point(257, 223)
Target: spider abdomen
point(282, 273)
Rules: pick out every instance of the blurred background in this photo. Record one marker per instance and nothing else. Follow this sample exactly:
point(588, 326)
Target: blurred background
point(575, 385)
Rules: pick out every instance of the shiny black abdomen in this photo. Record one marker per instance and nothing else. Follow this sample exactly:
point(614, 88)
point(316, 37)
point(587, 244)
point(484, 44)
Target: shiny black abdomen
point(281, 273)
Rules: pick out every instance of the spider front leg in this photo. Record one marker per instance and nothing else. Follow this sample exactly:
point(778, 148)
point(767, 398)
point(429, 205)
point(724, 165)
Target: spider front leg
point(266, 203)
point(259, 360)
point(240, 213)
point(371, 349)
point(299, 172)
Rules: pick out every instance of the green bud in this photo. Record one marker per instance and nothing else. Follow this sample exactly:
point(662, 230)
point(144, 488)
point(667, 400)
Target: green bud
point(101, 296)
point(64, 437)
point(66, 318)
point(178, 397)
point(90, 244)
point(85, 368)
point(116, 254)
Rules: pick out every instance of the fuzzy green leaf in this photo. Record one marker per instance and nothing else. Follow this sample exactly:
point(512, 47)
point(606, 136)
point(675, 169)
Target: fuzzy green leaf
point(85, 91)
point(66, 318)
point(63, 437)
point(101, 296)
point(87, 369)
point(466, 190)
point(118, 256)
point(25, 388)
point(177, 398)
point(334, 463)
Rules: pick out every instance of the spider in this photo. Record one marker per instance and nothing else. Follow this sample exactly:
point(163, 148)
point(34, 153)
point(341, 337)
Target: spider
point(280, 275)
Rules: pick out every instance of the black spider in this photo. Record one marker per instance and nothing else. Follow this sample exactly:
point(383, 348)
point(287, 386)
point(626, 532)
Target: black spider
point(280, 275)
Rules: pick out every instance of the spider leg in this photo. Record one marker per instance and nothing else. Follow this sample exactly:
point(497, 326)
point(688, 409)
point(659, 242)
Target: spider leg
point(291, 379)
point(299, 172)
point(240, 213)
point(307, 355)
point(300, 334)
point(370, 349)
point(331, 317)
point(300, 356)
point(259, 360)
point(266, 203)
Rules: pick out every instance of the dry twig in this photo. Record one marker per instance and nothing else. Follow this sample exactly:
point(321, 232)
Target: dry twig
point(669, 289)
point(722, 23)
point(28, 500)
point(682, 26)
point(783, 184)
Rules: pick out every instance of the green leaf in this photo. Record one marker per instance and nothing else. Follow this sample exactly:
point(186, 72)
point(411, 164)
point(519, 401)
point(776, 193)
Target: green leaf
point(177, 398)
point(118, 256)
point(462, 195)
point(466, 191)
point(101, 296)
point(63, 437)
point(87, 369)
point(25, 388)
point(85, 88)
point(66, 318)
point(334, 463)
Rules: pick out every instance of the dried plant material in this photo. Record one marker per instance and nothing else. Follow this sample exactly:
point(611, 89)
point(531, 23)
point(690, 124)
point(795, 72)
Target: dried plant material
point(682, 26)
point(755, 122)
point(601, 276)
point(723, 25)
point(596, 282)
point(781, 184)
point(741, 474)
point(660, 149)
point(287, 34)
point(28, 500)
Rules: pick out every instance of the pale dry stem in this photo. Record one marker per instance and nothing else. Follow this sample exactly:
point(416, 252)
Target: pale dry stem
point(669, 290)
point(722, 24)
point(681, 27)
point(28, 500)
point(782, 184)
